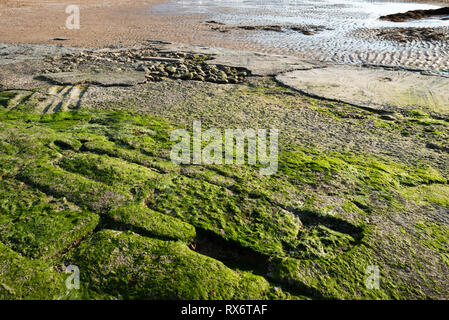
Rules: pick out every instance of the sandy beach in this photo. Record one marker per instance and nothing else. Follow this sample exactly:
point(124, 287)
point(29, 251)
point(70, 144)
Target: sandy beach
point(352, 35)
point(103, 23)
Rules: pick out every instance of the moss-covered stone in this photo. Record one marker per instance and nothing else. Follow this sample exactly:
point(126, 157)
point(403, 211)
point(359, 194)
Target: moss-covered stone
point(22, 278)
point(129, 266)
point(433, 193)
point(152, 223)
point(434, 236)
point(75, 188)
point(306, 226)
point(5, 97)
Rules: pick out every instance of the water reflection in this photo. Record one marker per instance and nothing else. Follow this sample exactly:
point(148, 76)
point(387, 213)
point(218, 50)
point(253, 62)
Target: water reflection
point(350, 40)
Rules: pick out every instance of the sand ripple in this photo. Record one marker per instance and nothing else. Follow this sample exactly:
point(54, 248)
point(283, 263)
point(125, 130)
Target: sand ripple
point(352, 37)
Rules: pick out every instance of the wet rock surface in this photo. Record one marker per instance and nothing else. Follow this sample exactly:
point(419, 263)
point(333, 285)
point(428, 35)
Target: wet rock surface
point(441, 13)
point(126, 67)
point(304, 29)
point(413, 34)
point(258, 64)
point(110, 78)
point(376, 88)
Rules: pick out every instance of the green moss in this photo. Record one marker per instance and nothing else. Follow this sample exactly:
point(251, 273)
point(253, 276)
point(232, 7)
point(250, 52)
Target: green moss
point(22, 278)
point(103, 146)
point(65, 143)
point(5, 96)
point(110, 171)
point(417, 113)
point(45, 235)
point(434, 193)
point(78, 189)
point(434, 236)
point(328, 112)
point(59, 120)
point(113, 262)
point(311, 166)
point(116, 164)
point(424, 121)
point(320, 242)
point(37, 227)
point(152, 222)
point(330, 278)
point(255, 223)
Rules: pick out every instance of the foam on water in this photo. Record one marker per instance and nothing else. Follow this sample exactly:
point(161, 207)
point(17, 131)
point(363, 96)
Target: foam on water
point(351, 40)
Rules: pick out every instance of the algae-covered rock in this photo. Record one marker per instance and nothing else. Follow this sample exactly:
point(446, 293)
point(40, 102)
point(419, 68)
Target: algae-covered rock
point(153, 223)
point(131, 266)
point(69, 178)
point(22, 278)
point(104, 78)
point(77, 189)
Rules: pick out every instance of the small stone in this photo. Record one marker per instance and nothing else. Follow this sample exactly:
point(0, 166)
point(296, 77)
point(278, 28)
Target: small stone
point(222, 75)
point(143, 68)
point(199, 78)
point(388, 117)
point(212, 68)
point(187, 76)
point(170, 69)
point(183, 67)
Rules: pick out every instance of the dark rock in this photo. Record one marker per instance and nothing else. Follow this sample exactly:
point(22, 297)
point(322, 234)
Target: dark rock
point(416, 15)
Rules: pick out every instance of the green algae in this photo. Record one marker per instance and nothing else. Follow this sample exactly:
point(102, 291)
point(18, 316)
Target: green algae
point(115, 165)
point(162, 270)
point(434, 236)
point(433, 194)
point(5, 97)
point(78, 189)
point(22, 278)
point(152, 223)
point(39, 227)
point(367, 172)
point(110, 171)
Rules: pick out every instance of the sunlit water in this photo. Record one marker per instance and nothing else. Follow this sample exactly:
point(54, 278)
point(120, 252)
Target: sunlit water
point(351, 39)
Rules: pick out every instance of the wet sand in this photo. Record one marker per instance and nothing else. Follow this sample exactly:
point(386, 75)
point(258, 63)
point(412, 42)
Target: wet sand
point(102, 23)
point(127, 23)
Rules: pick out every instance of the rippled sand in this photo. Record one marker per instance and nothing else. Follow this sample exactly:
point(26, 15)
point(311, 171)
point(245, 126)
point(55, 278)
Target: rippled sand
point(351, 40)
point(125, 22)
